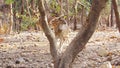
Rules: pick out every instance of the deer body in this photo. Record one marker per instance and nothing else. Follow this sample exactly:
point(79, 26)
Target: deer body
point(61, 31)
point(60, 28)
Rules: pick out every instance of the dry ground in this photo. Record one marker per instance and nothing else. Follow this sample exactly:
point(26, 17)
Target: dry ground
point(31, 50)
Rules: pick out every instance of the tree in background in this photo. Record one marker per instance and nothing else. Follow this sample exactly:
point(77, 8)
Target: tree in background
point(114, 4)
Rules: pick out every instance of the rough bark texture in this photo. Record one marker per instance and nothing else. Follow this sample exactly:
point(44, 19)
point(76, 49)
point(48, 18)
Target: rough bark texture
point(83, 36)
point(116, 13)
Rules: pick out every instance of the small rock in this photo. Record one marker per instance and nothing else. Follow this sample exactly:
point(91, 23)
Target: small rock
point(17, 62)
point(20, 60)
point(51, 65)
point(102, 52)
point(106, 65)
point(26, 60)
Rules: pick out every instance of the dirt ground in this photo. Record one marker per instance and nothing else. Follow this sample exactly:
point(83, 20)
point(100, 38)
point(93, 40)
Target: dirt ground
point(31, 50)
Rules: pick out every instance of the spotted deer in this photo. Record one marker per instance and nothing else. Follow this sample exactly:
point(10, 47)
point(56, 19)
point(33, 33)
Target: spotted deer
point(61, 31)
point(60, 28)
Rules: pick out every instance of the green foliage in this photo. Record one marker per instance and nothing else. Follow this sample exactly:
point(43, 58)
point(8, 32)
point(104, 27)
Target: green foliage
point(17, 5)
point(55, 6)
point(9, 1)
point(90, 1)
point(86, 4)
point(81, 4)
point(27, 22)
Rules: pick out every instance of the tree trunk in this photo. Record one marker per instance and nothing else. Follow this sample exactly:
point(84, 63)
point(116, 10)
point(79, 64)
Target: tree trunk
point(82, 15)
point(14, 17)
point(75, 17)
point(68, 22)
point(21, 13)
point(111, 24)
point(116, 14)
point(28, 9)
point(78, 43)
point(61, 7)
point(49, 34)
point(11, 19)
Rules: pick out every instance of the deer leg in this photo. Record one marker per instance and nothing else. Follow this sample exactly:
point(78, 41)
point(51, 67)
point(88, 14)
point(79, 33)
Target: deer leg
point(61, 44)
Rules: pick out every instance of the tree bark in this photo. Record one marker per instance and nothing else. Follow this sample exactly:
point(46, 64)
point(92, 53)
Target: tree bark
point(116, 14)
point(49, 34)
point(82, 15)
point(83, 36)
point(28, 9)
point(11, 18)
point(75, 17)
point(111, 24)
point(67, 2)
point(14, 17)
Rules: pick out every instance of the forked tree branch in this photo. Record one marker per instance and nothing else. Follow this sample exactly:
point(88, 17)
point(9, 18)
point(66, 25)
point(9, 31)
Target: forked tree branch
point(79, 42)
point(48, 32)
